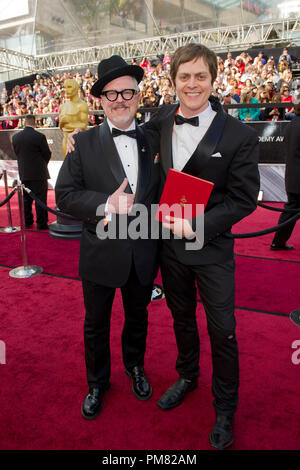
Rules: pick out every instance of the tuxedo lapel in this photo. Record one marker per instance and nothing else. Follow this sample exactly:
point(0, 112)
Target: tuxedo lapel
point(207, 145)
point(109, 150)
point(166, 139)
point(144, 167)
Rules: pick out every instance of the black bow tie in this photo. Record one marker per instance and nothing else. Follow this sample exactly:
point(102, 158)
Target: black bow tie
point(194, 121)
point(115, 132)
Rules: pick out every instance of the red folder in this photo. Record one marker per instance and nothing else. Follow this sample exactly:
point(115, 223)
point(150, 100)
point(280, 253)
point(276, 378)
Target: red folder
point(183, 196)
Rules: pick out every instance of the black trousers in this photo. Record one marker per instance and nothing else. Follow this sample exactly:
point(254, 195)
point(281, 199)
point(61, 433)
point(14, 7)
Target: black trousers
point(40, 189)
point(216, 287)
point(282, 235)
point(98, 301)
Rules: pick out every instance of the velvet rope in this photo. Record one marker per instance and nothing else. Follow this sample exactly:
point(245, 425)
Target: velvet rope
point(277, 209)
point(233, 235)
point(44, 206)
point(266, 231)
point(5, 201)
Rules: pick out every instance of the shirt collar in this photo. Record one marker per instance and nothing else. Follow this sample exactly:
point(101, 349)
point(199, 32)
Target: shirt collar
point(130, 128)
point(204, 115)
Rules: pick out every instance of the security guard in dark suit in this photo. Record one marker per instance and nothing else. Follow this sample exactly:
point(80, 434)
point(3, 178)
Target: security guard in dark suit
point(292, 182)
point(33, 155)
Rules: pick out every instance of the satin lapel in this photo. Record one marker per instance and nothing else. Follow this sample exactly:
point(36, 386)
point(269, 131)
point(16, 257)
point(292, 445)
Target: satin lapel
point(144, 168)
point(110, 151)
point(207, 145)
point(166, 156)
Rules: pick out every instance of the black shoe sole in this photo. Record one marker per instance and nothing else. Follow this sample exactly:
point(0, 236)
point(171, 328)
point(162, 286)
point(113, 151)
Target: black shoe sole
point(177, 403)
point(136, 394)
point(225, 446)
point(281, 248)
point(162, 407)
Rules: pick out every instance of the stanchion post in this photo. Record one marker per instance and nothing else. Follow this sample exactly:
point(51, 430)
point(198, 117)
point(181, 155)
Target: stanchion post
point(22, 224)
point(25, 270)
point(8, 204)
point(10, 228)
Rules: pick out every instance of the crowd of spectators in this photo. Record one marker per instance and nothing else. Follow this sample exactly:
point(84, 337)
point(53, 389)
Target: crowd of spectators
point(243, 79)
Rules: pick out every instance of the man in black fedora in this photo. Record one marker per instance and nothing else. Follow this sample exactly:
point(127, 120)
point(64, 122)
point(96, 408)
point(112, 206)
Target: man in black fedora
point(112, 165)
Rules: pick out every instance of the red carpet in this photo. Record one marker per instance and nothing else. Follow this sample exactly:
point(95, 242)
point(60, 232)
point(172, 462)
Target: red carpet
point(43, 379)
point(262, 219)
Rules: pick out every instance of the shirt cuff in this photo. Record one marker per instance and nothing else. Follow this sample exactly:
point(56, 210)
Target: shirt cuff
point(106, 212)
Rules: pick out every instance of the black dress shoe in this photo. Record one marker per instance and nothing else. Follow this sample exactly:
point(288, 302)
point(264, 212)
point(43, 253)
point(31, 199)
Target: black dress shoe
point(92, 404)
point(141, 387)
point(275, 247)
point(174, 396)
point(42, 227)
point(221, 435)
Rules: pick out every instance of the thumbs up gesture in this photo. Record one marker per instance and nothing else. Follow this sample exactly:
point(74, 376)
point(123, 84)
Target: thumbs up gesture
point(71, 141)
point(120, 202)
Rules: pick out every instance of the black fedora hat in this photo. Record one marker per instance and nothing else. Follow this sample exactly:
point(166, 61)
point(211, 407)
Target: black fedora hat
point(114, 67)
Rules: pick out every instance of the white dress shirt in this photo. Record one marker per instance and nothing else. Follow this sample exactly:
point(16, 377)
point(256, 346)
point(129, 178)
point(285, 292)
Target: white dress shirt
point(186, 137)
point(128, 153)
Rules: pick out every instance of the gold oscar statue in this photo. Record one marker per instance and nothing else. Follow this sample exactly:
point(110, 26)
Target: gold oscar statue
point(73, 114)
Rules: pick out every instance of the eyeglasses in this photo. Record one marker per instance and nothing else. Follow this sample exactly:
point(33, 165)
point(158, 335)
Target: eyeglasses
point(112, 95)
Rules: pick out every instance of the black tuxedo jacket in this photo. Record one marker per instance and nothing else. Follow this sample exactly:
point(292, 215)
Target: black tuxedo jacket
point(233, 170)
point(292, 150)
point(88, 176)
point(33, 154)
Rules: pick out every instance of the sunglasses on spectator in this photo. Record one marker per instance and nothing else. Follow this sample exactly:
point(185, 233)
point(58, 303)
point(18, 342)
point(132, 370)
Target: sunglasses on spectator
point(112, 95)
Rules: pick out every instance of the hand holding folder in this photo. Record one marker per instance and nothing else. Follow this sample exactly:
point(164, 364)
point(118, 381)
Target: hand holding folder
point(184, 196)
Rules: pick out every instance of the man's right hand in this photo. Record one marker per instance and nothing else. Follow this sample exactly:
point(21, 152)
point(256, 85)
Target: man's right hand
point(120, 202)
point(71, 141)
